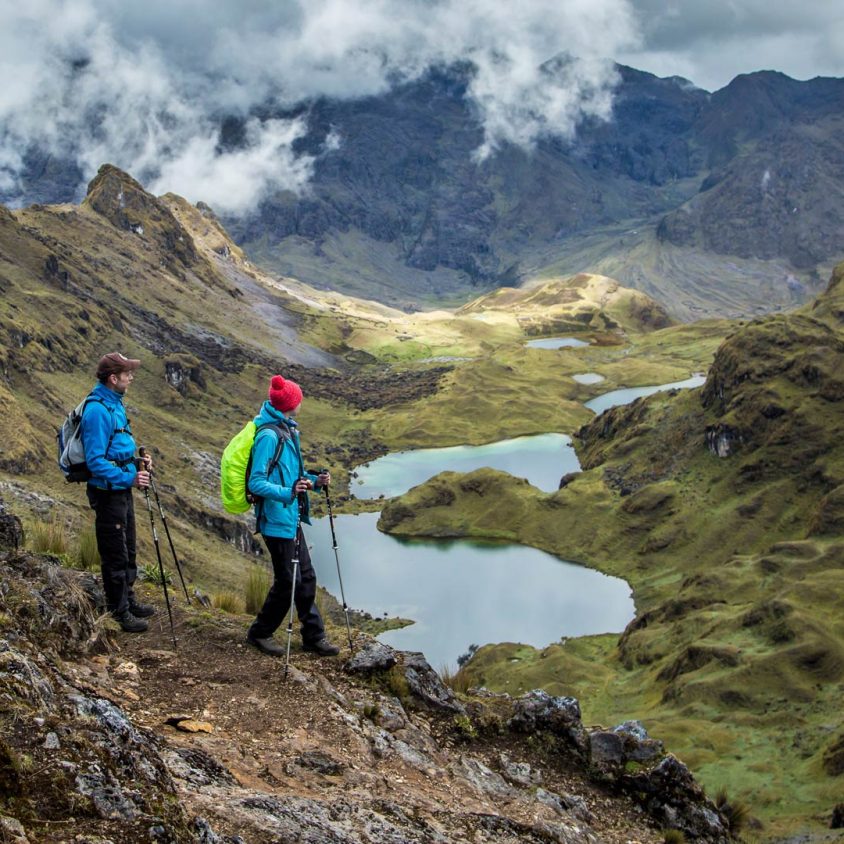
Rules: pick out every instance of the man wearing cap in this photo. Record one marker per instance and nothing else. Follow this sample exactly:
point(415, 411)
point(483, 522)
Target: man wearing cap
point(110, 455)
point(280, 487)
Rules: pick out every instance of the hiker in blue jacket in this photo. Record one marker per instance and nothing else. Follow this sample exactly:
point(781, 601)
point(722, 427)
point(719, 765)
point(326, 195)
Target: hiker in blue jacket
point(281, 486)
point(110, 456)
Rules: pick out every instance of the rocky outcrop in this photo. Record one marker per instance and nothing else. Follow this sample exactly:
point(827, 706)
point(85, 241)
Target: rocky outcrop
point(70, 750)
point(67, 754)
point(184, 374)
point(11, 530)
point(125, 204)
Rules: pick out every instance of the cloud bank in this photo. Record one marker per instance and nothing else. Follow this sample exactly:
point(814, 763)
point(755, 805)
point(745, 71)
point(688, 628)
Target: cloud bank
point(146, 86)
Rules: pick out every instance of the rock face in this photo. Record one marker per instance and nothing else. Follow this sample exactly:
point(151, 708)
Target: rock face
point(11, 530)
point(123, 201)
point(752, 170)
point(86, 759)
point(184, 374)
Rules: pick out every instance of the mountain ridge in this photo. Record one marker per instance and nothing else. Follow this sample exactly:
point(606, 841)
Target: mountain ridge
point(400, 211)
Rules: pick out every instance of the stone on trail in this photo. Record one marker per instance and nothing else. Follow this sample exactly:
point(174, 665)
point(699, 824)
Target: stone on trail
point(191, 726)
point(374, 656)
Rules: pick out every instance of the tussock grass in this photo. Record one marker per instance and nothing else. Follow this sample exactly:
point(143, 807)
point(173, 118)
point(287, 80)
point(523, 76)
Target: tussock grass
point(458, 681)
point(736, 812)
point(87, 555)
point(674, 836)
point(229, 602)
point(49, 537)
point(255, 588)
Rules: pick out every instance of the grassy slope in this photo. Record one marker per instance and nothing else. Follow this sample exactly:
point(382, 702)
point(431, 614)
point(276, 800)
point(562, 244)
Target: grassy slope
point(109, 288)
point(736, 656)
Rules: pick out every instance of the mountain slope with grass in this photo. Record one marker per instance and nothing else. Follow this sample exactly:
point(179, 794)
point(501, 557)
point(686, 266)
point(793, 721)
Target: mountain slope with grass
point(722, 507)
point(162, 280)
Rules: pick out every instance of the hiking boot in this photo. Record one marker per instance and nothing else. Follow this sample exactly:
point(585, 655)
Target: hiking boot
point(129, 624)
point(268, 645)
point(322, 647)
point(141, 610)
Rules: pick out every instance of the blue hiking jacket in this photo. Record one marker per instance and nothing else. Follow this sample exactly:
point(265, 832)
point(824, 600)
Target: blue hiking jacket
point(278, 512)
point(111, 464)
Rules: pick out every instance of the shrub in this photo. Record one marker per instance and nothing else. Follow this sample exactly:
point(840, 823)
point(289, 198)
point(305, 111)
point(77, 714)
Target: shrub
point(49, 537)
point(255, 589)
point(151, 573)
point(457, 681)
point(227, 602)
point(397, 684)
point(465, 728)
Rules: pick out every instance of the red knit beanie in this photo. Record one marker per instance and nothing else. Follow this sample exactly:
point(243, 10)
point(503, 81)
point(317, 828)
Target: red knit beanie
point(284, 395)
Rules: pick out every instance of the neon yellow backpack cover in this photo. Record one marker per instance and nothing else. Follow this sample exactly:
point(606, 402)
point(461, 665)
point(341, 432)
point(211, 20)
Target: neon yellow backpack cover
point(233, 467)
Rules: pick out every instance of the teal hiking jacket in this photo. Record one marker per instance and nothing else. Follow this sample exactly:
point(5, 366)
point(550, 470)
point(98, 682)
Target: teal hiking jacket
point(278, 512)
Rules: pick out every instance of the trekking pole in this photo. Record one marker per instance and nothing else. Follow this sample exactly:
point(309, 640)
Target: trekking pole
point(142, 451)
point(160, 566)
point(297, 546)
point(337, 560)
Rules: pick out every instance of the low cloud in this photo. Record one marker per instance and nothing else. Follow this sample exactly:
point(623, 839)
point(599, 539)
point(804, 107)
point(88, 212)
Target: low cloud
point(145, 87)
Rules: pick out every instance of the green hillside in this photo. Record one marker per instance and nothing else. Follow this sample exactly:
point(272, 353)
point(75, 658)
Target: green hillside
point(736, 655)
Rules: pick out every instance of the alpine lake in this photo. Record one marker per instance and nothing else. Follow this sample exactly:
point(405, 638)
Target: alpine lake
point(461, 593)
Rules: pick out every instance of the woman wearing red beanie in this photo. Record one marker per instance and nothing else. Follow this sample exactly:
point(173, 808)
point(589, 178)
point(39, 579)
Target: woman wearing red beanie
point(279, 481)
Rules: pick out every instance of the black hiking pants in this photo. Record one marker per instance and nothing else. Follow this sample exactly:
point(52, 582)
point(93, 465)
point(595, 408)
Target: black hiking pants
point(115, 529)
point(277, 602)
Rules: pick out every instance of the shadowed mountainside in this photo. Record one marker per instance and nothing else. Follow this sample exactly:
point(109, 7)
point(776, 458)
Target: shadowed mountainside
point(716, 204)
point(400, 211)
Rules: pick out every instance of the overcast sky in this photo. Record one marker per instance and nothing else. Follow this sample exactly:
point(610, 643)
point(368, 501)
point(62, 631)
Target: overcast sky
point(712, 42)
point(143, 85)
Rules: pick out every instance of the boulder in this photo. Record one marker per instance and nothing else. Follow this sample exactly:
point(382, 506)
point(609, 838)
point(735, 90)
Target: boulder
point(537, 710)
point(426, 686)
point(374, 656)
point(11, 530)
point(670, 794)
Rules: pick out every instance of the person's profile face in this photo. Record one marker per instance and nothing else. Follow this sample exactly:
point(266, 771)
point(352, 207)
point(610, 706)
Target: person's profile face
point(120, 381)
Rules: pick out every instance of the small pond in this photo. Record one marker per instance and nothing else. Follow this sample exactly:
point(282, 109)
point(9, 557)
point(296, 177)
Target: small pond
point(588, 378)
point(461, 593)
point(556, 343)
point(628, 394)
point(542, 459)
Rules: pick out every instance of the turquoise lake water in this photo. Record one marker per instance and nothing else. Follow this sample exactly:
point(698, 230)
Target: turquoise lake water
point(629, 394)
point(542, 459)
point(461, 593)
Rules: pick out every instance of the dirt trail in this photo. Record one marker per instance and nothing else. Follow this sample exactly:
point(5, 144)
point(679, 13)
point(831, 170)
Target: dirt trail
point(335, 739)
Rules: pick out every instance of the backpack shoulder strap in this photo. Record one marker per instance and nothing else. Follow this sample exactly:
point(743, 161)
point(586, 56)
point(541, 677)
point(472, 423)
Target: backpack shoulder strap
point(282, 434)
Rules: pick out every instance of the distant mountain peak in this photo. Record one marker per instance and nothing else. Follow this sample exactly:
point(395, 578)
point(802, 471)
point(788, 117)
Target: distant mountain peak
point(123, 201)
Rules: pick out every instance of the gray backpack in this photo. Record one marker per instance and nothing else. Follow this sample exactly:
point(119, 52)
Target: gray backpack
point(70, 448)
